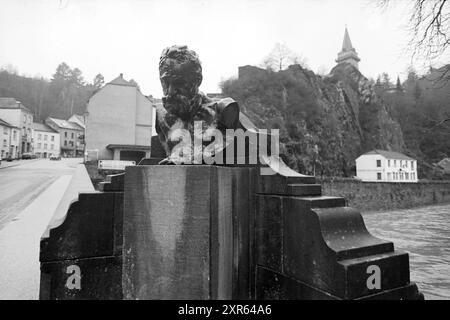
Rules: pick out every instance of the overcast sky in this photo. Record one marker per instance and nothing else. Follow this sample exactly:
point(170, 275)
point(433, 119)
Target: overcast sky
point(127, 36)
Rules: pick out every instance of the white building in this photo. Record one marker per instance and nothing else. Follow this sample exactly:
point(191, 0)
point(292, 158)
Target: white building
point(16, 114)
point(119, 123)
point(386, 166)
point(9, 140)
point(46, 141)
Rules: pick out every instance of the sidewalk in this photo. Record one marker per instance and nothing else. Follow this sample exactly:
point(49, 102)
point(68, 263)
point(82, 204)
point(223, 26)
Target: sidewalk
point(20, 241)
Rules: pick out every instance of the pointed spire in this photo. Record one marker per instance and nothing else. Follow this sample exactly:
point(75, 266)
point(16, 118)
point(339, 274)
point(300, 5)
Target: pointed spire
point(348, 53)
point(347, 43)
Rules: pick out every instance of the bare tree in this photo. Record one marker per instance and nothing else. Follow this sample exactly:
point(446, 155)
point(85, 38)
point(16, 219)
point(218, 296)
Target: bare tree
point(429, 26)
point(281, 57)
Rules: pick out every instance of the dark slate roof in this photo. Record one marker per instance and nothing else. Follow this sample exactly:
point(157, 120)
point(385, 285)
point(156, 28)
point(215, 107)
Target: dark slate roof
point(120, 81)
point(11, 103)
point(390, 154)
point(43, 127)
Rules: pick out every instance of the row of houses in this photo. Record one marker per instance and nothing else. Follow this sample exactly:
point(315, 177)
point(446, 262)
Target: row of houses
point(19, 134)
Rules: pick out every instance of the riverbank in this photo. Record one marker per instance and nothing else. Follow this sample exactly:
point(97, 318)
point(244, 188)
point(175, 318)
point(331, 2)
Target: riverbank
point(383, 196)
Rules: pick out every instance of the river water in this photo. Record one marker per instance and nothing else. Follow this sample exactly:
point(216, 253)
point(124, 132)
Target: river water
point(425, 234)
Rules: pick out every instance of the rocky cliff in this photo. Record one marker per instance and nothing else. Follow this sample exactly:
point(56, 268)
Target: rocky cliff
point(325, 122)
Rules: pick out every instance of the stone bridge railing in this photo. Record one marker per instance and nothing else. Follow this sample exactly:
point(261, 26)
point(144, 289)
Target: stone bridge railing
point(214, 232)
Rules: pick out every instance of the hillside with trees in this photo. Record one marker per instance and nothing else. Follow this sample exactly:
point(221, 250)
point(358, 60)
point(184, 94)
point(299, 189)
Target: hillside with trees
point(421, 104)
point(325, 123)
point(66, 93)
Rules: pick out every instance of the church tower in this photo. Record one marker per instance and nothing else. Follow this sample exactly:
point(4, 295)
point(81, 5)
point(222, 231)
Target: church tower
point(348, 53)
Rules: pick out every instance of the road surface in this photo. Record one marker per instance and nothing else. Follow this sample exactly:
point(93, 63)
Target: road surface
point(29, 196)
point(21, 184)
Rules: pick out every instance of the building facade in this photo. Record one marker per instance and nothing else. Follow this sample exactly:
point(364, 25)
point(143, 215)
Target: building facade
point(16, 114)
point(9, 140)
point(46, 141)
point(386, 166)
point(119, 123)
point(70, 136)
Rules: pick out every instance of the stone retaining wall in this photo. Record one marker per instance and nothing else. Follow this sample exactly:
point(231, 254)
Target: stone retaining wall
point(380, 196)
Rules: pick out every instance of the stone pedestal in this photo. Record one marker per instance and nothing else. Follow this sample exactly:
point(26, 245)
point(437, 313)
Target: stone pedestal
point(178, 231)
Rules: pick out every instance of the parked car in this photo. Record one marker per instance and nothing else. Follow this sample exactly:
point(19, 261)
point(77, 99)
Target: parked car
point(27, 156)
point(53, 157)
point(9, 159)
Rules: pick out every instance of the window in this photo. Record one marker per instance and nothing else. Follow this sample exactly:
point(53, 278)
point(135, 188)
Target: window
point(53, 138)
point(45, 137)
point(72, 135)
point(65, 134)
point(378, 163)
point(389, 163)
point(395, 163)
point(45, 146)
point(406, 176)
point(14, 135)
point(378, 175)
point(413, 176)
point(65, 143)
point(412, 165)
point(5, 130)
point(71, 143)
point(401, 163)
point(39, 136)
point(5, 143)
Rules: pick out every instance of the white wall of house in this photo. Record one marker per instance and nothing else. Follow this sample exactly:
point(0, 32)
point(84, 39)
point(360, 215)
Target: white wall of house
point(22, 119)
point(375, 167)
point(5, 133)
point(46, 143)
point(119, 115)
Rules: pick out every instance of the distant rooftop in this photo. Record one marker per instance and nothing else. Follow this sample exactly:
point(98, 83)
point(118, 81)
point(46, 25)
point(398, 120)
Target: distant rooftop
point(6, 124)
point(80, 118)
point(42, 127)
point(389, 154)
point(64, 124)
point(120, 81)
point(12, 103)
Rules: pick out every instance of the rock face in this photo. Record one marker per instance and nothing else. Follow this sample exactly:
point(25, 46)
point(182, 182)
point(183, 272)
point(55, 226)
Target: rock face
point(325, 123)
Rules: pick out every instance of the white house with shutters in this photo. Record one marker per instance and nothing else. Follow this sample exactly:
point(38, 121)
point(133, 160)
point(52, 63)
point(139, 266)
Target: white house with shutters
point(386, 166)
